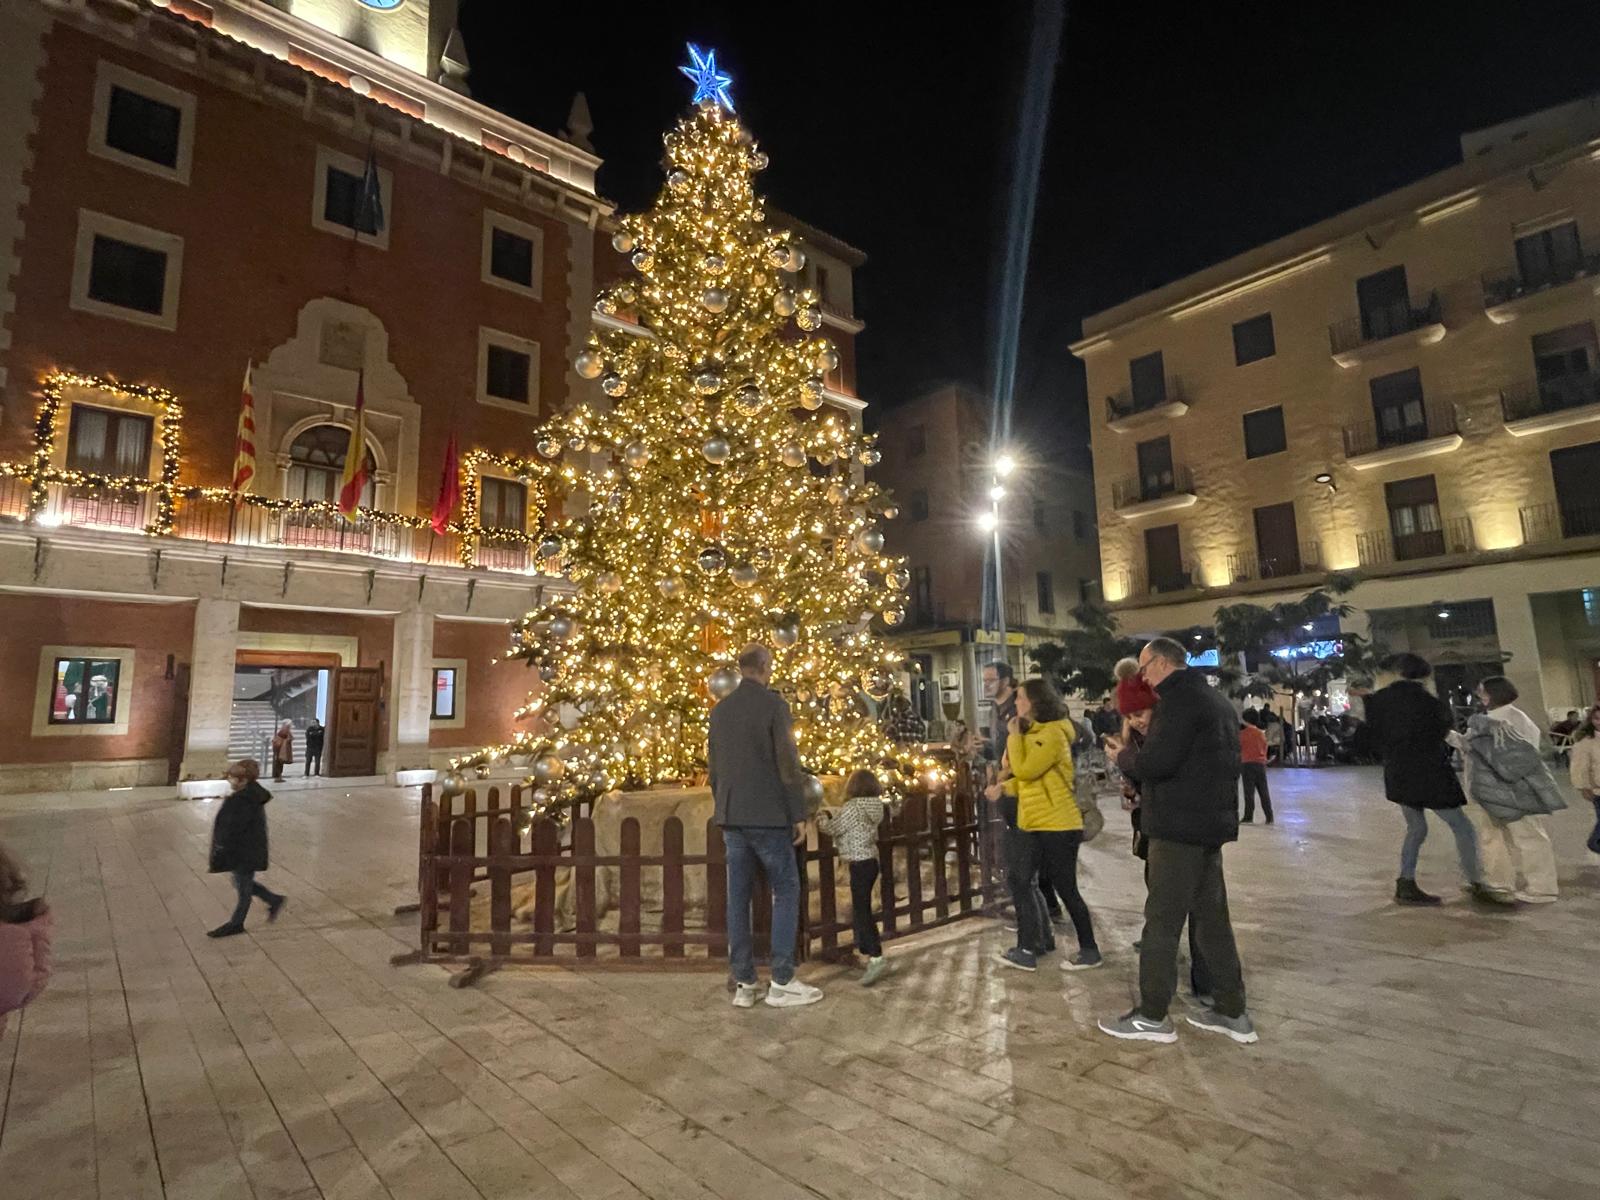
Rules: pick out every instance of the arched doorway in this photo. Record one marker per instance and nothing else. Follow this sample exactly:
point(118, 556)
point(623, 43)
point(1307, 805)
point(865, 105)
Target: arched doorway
point(316, 466)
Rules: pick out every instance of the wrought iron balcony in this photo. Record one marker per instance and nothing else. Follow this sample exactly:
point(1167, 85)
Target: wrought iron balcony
point(1248, 565)
point(1559, 521)
point(1537, 398)
point(1139, 583)
point(1439, 420)
point(1124, 410)
point(1349, 337)
point(1177, 484)
point(1381, 547)
point(1507, 285)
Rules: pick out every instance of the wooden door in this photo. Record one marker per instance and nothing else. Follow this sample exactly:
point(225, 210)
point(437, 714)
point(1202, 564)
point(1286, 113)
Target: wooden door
point(1155, 467)
point(178, 731)
point(1575, 470)
point(352, 742)
point(1277, 540)
point(1385, 303)
point(1164, 558)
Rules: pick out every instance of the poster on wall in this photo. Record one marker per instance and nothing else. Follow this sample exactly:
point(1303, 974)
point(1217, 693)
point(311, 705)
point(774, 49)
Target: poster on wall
point(85, 691)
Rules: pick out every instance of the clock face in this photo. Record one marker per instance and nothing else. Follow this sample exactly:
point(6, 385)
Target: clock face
point(383, 5)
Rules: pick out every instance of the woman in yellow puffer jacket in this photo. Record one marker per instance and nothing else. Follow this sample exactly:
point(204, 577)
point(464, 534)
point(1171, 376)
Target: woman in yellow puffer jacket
point(1049, 828)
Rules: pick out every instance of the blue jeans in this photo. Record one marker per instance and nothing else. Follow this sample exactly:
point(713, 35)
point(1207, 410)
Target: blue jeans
point(244, 882)
point(1417, 833)
point(774, 850)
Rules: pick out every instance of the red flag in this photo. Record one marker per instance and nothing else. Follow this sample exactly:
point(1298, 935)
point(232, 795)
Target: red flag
point(244, 446)
point(449, 487)
point(358, 464)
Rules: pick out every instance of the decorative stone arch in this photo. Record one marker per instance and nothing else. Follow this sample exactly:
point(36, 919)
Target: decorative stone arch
point(311, 380)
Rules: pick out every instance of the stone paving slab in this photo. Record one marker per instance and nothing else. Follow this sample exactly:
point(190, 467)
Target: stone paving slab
point(1406, 1054)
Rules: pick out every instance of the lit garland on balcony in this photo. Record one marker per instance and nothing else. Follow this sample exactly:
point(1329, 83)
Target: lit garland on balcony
point(43, 473)
point(526, 472)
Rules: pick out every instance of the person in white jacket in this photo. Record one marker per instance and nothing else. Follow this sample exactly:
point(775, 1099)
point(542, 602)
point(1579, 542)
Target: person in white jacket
point(1584, 766)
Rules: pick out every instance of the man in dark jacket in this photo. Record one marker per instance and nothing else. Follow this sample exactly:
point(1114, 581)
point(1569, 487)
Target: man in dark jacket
point(239, 844)
point(757, 787)
point(1189, 771)
point(316, 732)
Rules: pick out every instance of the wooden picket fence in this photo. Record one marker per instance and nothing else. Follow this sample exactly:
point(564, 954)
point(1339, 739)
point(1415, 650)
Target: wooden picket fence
point(939, 855)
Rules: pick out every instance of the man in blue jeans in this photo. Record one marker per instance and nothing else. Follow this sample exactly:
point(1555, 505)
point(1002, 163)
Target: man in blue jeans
point(756, 783)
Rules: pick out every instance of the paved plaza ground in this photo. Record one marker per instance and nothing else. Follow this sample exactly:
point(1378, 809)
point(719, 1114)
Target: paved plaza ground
point(1404, 1052)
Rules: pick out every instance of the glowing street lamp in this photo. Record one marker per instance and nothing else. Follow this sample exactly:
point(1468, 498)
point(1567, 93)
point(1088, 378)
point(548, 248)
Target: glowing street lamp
point(1003, 465)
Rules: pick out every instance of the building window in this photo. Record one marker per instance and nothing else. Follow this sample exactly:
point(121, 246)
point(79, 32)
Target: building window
point(1264, 433)
point(102, 441)
point(1564, 362)
point(142, 123)
point(339, 203)
point(1468, 619)
point(444, 694)
point(126, 271)
point(1039, 521)
point(1591, 606)
point(1252, 340)
point(1549, 256)
point(1385, 302)
point(502, 504)
point(919, 506)
point(508, 371)
point(85, 691)
point(513, 254)
point(916, 441)
point(1086, 591)
point(1397, 407)
point(1414, 518)
point(316, 466)
point(1148, 380)
point(1047, 594)
point(922, 595)
point(1082, 527)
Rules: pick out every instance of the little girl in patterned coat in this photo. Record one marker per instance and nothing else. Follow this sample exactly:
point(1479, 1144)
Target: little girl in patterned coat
point(24, 940)
point(854, 830)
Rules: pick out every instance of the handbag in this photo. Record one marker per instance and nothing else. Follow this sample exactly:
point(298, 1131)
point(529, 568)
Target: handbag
point(1088, 806)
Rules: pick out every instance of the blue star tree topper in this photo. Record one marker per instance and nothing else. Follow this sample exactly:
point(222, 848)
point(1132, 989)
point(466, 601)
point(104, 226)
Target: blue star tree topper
point(709, 83)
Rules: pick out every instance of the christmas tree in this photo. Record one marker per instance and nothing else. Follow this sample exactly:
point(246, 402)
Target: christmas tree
point(713, 501)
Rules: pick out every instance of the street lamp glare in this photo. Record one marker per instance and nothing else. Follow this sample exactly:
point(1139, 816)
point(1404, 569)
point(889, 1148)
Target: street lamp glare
point(996, 492)
point(988, 521)
point(1004, 465)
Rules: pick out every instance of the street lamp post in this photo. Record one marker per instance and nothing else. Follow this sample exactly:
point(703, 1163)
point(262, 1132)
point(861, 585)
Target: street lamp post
point(1003, 465)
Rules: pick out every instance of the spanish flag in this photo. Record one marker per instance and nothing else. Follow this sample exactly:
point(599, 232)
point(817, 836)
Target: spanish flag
point(358, 464)
point(244, 446)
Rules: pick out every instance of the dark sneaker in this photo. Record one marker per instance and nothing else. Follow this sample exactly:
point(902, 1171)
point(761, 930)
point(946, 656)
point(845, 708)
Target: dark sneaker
point(1238, 1028)
point(1204, 1000)
point(274, 907)
point(1485, 894)
point(228, 930)
point(1132, 1027)
point(1083, 960)
point(1406, 891)
point(1021, 960)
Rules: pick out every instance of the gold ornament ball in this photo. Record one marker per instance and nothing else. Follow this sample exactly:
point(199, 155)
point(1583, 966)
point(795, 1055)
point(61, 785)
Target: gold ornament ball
point(793, 455)
point(622, 241)
point(590, 364)
point(748, 400)
point(636, 454)
point(809, 318)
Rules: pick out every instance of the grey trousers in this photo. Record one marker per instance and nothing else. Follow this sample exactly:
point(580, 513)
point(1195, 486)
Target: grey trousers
point(1185, 883)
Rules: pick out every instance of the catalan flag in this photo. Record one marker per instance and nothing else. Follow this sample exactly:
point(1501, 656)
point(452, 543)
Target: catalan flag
point(244, 446)
point(358, 464)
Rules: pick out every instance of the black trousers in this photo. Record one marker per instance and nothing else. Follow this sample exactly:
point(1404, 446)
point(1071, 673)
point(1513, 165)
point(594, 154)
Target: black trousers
point(1253, 777)
point(1199, 977)
point(863, 877)
point(314, 760)
point(1028, 852)
point(1186, 884)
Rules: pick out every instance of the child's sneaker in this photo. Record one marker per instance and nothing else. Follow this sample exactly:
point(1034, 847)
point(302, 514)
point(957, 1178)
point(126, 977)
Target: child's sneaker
point(793, 994)
point(1018, 959)
point(877, 968)
point(744, 995)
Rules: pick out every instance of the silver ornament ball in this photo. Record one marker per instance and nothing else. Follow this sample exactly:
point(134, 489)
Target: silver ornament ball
point(677, 178)
point(453, 784)
point(547, 768)
point(793, 455)
point(708, 383)
point(642, 260)
point(797, 260)
point(809, 318)
point(784, 303)
point(722, 682)
point(827, 359)
point(549, 548)
point(613, 385)
point(813, 792)
point(590, 364)
point(548, 447)
point(712, 560)
point(714, 299)
point(743, 575)
point(870, 540)
point(786, 634)
point(748, 400)
point(564, 628)
point(716, 450)
point(622, 241)
point(670, 587)
point(636, 454)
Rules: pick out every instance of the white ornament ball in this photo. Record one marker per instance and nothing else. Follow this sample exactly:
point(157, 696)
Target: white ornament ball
point(636, 454)
point(793, 455)
point(590, 364)
point(622, 241)
point(547, 768)
point(716, 450)
point(784, 304)
point(722, 682)
point(714, 299)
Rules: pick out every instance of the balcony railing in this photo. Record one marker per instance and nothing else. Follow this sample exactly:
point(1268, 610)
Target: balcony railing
point(1509, 283)
point(1545, 523)
point(1538, 397)
point(1139, 489)
point(1384, 321)
point(207, 516)
point(1139, 583)
point(1123, 404)
point(1439, 419)
point(1248, 565)
point(1381, 547)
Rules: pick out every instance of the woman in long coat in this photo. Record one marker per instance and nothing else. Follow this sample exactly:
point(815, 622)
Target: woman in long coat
point(1411, 725)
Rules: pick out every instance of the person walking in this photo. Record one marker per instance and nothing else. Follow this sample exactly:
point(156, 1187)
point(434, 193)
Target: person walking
point(1583, 767)
point(1253, 771)
point(1411, 726)
point(756, 787)
point(854, 830)
point(239, 845)
point(1189, 771)
point(282, 750)
point(1049, 829)
point(315, 733)
point(25, 936)
point(1513, 791)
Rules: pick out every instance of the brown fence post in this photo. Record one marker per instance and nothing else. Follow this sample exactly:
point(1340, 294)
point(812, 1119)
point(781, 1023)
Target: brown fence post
point(462, 835)
point(914, 823)
point(886, 834)
point(941, 869)
point(427, 875)
point(716, 891)
point(546, 844)
point(672, 888)
point(583, 885)
point(828, 897)
point(502, 842)
point(628, 902)
point(966, 835)
point(441, 838)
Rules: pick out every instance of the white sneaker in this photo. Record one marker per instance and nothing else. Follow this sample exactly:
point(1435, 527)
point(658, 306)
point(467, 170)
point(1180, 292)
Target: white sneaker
point(1536, 898)
point(793, 994)
point(744, 995)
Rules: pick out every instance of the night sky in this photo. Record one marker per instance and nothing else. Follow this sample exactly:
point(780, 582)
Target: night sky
point(1178, 136)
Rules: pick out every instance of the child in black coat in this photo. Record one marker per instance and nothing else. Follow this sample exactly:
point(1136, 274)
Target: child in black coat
point(239, 844)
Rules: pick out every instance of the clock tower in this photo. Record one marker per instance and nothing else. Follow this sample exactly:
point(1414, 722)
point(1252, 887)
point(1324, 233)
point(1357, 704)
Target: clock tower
point(419, 35)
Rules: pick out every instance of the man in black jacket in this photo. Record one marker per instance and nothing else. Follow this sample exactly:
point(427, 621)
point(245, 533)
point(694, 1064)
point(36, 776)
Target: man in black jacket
point(1189, 768)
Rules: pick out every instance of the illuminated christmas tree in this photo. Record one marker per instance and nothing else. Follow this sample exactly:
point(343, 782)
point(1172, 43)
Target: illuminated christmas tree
point(713, 502)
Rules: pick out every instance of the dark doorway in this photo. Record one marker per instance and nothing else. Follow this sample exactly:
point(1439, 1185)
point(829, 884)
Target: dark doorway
point(1155, 468)
point(1576, 470)
point(1385, 303)
point(1414, 519)
point(1277, 540)
point(1164, 559)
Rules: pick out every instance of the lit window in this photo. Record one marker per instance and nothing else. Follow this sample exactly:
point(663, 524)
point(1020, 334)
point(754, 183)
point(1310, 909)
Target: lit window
point(106, 442)
point(316, 466)
point(444, 694)
point(502, 504)
point(84, 691)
